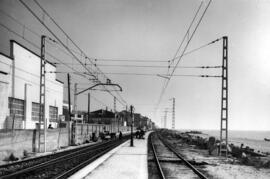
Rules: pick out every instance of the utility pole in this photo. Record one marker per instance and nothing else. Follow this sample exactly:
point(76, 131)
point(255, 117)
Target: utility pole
point(42, 97)
point(88, 109)
point(126, 116)
point(131, 134)
point(75, 98)
point(69, 109)
point(173, 113)
point(114, 109)
point(224, 99)
point(99, 84)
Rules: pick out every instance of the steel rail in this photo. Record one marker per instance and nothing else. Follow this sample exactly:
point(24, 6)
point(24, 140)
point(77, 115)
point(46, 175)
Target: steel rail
point(161, 174)
point(169, 146)
point(47, 163)
point(83, 164)
point(49, 157)
point(70, 156)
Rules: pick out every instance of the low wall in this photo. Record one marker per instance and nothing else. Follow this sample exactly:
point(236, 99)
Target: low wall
point(84, 132)
point(56, 138)
point(15, 142)
point(18, 141)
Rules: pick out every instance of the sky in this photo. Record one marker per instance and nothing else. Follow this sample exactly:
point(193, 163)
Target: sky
point(151, 30)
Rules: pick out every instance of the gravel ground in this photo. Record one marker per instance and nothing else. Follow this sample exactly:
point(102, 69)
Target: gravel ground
point(170, 168)
point(219, 167)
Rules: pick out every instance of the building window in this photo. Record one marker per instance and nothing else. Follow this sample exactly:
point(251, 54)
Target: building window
point(35, 111)
point(53, 114)
point(16, 108)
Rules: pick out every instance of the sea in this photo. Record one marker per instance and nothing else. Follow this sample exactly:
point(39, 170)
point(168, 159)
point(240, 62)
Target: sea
point(253, 139)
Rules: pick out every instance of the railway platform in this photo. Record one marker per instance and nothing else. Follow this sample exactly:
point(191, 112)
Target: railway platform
point(123, 162)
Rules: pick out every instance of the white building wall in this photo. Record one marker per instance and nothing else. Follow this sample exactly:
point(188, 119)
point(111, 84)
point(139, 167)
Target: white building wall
point(23, 81)
point(27, 82)
point(5, 87)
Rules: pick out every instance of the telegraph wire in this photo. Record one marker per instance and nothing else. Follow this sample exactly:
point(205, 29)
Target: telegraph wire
point(198, 48)
point(142, 74)
point(171, 74)
point(67, 48)
point(18, 22)
point(36, 46)
point(180, 57)
point(96, 99)
point(92, 97)
point(37, 35)
point(31, 82)
point(32, 74)
point(31, 43)
point(131, 60)
point(178, 49)
point(148, 61)
point(100, 59)
point(30, 30)
point(158, 66)
point(62, 43)
point(152, 74)
point(104, 59)
point(153, 61)
point(55, 36)
point(187, 32)
point(144, 66)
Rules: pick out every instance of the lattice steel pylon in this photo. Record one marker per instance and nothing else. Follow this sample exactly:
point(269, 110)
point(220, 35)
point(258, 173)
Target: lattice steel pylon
point(114, 104)
point(224, 100)
point(165, 118)
point(42, 97)
point(173, 113)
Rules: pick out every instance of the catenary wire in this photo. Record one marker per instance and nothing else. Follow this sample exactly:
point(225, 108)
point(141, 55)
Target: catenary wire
point(189, 40)
point(32, 74)
point(187, 32)
point(101, 59)
point(92, 97)
point(58, 39)
point(146, 66)
point(66, 47)
point(34, 45)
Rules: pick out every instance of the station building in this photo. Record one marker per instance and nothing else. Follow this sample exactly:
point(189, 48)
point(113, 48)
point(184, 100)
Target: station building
point(20, 88)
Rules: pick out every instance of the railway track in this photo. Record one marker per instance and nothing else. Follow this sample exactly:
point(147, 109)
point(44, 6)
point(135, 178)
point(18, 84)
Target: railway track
point(59, 166)
point(169, 163)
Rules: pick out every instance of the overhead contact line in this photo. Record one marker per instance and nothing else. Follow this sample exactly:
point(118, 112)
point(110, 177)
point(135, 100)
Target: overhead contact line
point(183, 52)
point(70, 51)
point(65, 46)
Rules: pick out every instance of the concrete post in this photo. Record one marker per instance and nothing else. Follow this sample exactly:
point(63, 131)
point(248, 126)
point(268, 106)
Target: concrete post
point(131, 134)
point(75, 98)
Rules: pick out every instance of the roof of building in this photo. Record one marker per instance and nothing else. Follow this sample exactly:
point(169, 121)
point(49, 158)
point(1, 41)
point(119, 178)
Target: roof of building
point(137, 115)
point(31, 51)
point(6, 56)
point(102, 113)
